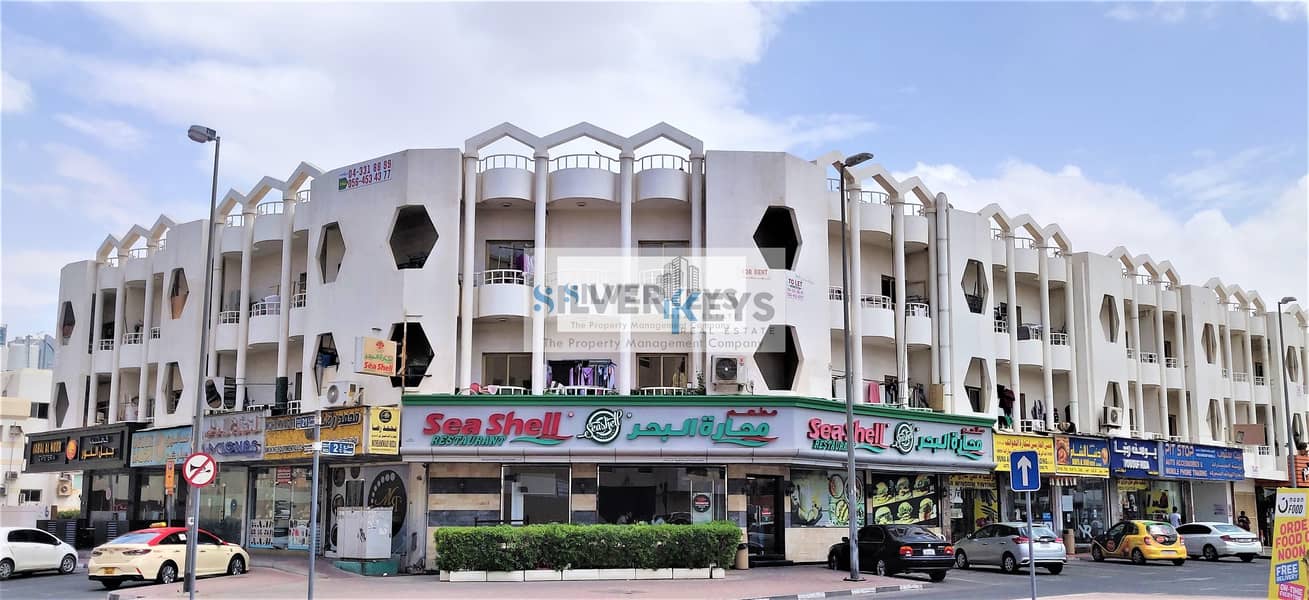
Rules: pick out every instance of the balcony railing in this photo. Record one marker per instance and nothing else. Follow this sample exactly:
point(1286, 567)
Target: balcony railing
point(1170, 362)
point(661, 391)
point(1225, 373)
point(298, 300)
point(1058, 339)
point(163, 243)
point(1024, 242)
point(997, 233)
point(877, 301)
point(662, 161)
point(111, 261)
point(138, 253)
point(106, 344)
point(504, 161)
point(1131, 353)
point(584, 161)
point(237, 220)
point(273, 207)
point(502, 276)
point(302, 196)
point(917, 309)
point(833, 184)
point(1240, 377)
point(1260, 380)
point(229, 317)
point(132, 338)
point(581, 390)
point(1150, 358)
point(835, 293)
point(1001, 326)
point(266, 308)
point(873, 197)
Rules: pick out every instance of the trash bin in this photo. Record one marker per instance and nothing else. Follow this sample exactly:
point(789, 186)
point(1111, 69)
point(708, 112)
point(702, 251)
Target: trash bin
point(1070, 544)
point(742, 556)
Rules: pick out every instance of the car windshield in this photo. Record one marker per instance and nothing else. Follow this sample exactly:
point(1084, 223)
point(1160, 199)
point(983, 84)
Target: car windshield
point(136, 537)
point(1041, 532)
point(1224, 528)
point(912, 532)
point(1160, 529)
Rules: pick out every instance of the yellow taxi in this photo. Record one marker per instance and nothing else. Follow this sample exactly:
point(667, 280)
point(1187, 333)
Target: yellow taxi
point(159, 554)
point(1140, 541)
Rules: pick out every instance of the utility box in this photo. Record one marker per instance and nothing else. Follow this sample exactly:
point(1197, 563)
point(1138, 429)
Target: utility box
point(363, 533)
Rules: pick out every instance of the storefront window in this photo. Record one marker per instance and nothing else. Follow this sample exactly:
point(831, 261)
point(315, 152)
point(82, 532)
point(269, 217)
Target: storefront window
point(281, 517)
point(905, 500)
point(534, 495)
point(973, 504)
point(818, 499)
point(1083, 506)
point(222, 505)
point(111, 494)
point(154, 505)
point(661, 494)
point(1016, 504)
point(1155, 500)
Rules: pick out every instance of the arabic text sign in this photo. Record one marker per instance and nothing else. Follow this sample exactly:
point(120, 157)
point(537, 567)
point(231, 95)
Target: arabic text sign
point(1133, 458)
point(383, 430)
point(1187, 461)
point(1081, 456)
point(286, 437)
point(1288, 571)
point(1008, 444)
point(375, 356)
point(152, 448)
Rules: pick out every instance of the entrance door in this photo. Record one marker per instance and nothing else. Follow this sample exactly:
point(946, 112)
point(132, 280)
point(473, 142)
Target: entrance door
point(763, 515)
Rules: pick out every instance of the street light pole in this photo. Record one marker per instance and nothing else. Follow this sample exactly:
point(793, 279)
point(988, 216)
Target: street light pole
point(200, 134)
point(851, 484)
point(1286, 392)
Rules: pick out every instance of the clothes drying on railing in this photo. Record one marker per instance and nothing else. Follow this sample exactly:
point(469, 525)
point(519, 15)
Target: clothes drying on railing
point(597, 373)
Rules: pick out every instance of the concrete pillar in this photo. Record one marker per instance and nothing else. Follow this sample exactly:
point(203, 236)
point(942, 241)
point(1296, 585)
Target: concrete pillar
point(1183, 403)
point(1047, 373)
point(1248, 359)
point(1280, 395)
point(115, 379)
point(465, 375)
point(1229, 405)
point(243, 311)
point(698, 360)
point(853, 219)
point(143, 390)
point(626, 184)
point(932, 286)
point(309, 387)
point(540, 190)
point(1139, 402)
point(898, 269)
point(286, 292)
point(97, 316)
point(1011, 291)
point(1070, 320)
point(215, 304)
point(1159, 353)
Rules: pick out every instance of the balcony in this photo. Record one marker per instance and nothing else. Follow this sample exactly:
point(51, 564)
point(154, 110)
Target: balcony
point(1240, 377)
point(154, 333)
point(265, 316)
point(1261, 462)
point(226, 334)
point(1225, 373)
point(232, 237)
point(130, 339)
point(297, 326)
point(836, 308)
point(1173, 373)
point(918, 324)
point(271, 223)
point(503, 293)
point(106, 345)
point(877, 316)
point(581, 390)
point(583, 177)
point(129, 354)
point(663, 177)
point(1170, 362)
point(1260, 380)
point(1149, 358)
point(662, 391)
point(506, 179)
point(1030, 351)
point(298, 300)
point(1001, 338)
point(229, 317)
point(1131, 354)
point(1058, 339)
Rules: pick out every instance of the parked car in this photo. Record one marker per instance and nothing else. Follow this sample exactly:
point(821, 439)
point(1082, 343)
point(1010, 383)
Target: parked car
point(1140, 541)
point(890, 549)
point(24, 550)
point(1215, 540)
point(1005, 545)
point(159, 554)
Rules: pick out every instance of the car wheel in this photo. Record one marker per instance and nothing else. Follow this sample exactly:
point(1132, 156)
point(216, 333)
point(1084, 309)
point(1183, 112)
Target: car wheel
point(1247, 557)
point(68, 564)
point(1009, 564)
point(6, 569)
point(1179, 561)
point(961, 560)
point(831, 561)
point(236, 566)
point(1137, 557)
point(1210, 553)
point(883, 569)
point(167, 573)
point(1055, 569)
point(111, 584)
point(1097, 554)
point(937, 576)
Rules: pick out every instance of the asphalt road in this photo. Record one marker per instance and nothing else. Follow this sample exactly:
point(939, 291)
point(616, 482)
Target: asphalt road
point(1227, 578)
point(53, 586)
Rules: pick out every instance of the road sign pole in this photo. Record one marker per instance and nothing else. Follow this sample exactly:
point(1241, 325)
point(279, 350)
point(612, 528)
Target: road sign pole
point(1031, 557)
point(313, 501)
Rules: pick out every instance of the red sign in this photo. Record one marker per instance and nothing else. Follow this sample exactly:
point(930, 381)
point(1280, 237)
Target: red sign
point(505, 423)
point(282, 476)
point(1302, 471)
point(701, 502)
point(873, 436)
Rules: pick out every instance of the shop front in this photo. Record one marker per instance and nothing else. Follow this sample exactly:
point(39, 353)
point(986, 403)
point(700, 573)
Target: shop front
point(1139, 493)
point(1013, 504)
point(773, 465)
point(1082, 485)
point(109, 488)
point(1208, 472)
point(974, 503)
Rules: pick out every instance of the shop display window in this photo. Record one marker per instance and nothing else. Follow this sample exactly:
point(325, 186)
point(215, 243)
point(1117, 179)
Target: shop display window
point(532, 495)
point(676, 495)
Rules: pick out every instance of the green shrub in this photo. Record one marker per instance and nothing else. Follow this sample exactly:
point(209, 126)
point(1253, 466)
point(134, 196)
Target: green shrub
point(557, 547)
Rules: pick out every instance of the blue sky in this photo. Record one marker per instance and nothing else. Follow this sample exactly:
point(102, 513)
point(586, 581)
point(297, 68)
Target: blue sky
point(1176, 129)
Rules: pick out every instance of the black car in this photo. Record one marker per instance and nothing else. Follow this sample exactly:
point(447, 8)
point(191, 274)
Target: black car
point(890, 549)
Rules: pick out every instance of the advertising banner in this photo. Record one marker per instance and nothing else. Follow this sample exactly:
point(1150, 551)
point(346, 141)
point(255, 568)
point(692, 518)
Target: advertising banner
point(1209, 463)
point(287, 437)
point(151, 448)
point(1084, 456)
point(1008, 444)
point(1288, 571)
point(1133, 458)
point(383, 430)
point(90, 448)
point(818, 499)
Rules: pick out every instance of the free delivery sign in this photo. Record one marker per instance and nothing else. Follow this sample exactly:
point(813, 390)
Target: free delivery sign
point(1288, 574)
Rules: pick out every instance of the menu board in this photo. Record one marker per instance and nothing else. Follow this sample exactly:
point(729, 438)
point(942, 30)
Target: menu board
point(905, 499)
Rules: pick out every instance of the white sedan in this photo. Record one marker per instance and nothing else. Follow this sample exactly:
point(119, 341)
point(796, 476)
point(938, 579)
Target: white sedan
point(24, 550)
point(1214, 540)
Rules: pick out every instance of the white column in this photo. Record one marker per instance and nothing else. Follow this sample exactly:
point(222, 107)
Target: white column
point(309, 344)
point(1229, 405)
point(697, 250)
point(898, 270)
point(243, 311)
point(1183, 403)
point(626, 377)
point(215, 303)
point(465, 377)
point(120, 301)
point(1069, 324)
point(854, 221)
point(1249, 363)
point(143, 390)
point(286, 294)
point(1281, 396)
point(540, 189)
point(1047, 373)
point(1159, 353)
point(1135, 324)
point(1011, 291)
point(97, 317)
point(944, 318)
point(936, 303)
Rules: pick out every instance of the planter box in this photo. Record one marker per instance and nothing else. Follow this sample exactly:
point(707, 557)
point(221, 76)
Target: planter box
point(654, 573)
point(718, 573)
point(542, 575)
point(456, 576)
point(445, 576)
point(581, 574)
point(617, 574)
point(691, 573)
point(504, 575)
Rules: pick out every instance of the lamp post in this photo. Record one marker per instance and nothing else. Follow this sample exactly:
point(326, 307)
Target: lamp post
point(851, 495)
point(1286, 392)
point(202, 135)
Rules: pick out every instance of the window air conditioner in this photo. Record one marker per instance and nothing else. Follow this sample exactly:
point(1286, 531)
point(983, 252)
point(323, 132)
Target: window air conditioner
point(1113, 416)
point(729, 370)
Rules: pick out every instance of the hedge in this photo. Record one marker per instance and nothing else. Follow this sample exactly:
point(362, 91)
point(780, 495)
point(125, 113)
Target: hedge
point(557, 547)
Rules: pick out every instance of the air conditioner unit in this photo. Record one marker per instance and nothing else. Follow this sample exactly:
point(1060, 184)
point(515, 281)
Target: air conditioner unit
point(11, 474)
point(1113, 416)
point(728, 370)
point(343, 393)
point(64, 489)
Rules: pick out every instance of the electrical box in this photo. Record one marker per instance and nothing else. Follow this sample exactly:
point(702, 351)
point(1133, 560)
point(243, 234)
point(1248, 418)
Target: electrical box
point(363, 533)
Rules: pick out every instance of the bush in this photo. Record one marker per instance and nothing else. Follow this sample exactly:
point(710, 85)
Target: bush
point(557, 547)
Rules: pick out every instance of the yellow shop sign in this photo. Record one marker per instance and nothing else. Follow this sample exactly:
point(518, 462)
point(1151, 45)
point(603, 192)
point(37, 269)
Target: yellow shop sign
point(1008, 444)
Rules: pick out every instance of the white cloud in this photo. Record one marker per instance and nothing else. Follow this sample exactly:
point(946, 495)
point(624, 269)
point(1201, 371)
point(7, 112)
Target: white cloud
point(1165, 11)
point(1266, 251)
point(16, 95)
point(1225, 182)
point(84, 186)
point(1285, 11)
point(110, 132)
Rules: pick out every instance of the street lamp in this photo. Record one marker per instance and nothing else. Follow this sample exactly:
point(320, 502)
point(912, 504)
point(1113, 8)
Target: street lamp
point(851, 498)
point(203, 135)
point(1286, 392)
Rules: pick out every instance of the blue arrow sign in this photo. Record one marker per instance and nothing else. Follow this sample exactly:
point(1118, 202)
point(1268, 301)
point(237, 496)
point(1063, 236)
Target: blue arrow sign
point(1024, 471)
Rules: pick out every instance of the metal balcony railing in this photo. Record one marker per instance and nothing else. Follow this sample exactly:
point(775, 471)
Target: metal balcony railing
point(504, 161)
point(1001, 326)
point(581, 390)
point(1240, 377)
point(873, 197)
point(273, 207)
point(584, 161)
point(1024, 242)
point(132, 338)
point(1260, 380)
point(1150, 358)
point(106, 344)
point(163, 243)
point(1131, 353)
point(298, 300)
point(502, 276)
point(266, 308)
point(662, 161)
point(1170, 362)
point(229, 317)
point(661, 391)
point(835, 293)
point(917, 309)
point(302, 196)
point(997, 233)
point(1225, 373)
point(877, 301)
point(833, 184)
point(138, 253)
point(1058, 339)
point(111, 261)
point(237, 220)
point(154, 333)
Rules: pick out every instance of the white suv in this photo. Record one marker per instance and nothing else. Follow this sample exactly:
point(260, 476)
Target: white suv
point(27, 550)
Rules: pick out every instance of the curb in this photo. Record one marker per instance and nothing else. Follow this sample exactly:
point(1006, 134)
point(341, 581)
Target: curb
point(881, 589)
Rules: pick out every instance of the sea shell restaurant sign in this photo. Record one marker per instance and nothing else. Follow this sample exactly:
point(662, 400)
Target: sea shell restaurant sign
point(645, 426)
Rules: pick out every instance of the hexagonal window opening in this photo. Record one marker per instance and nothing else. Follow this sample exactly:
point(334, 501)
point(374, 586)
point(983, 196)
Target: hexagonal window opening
point(178, 291)
point(977, 384)
point(61, 404)
point(331, 251)
point(1293, 364)
point(413, 354)
point(1109, 318)
point(67, 321)
point(412, 237)
point(974, 284)
point(173, 387)
point(778, 237)
point(777, 357)
point(326, 360)
point(1210, 343)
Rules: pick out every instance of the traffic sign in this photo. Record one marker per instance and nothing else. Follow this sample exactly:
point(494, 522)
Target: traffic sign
point(170, 477)
point(200, 469)
point(1024, 472)
point(338, 448)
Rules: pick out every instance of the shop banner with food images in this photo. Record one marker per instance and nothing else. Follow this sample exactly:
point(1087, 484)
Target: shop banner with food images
point(1008, 444)
point(1288, 571)
point(904, 500)
point(1084, 456)
point(818, 499)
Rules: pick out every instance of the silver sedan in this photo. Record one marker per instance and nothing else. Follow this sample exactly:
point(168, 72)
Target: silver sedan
point(1005, 545)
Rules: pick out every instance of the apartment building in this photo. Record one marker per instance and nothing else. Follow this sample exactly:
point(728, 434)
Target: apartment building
point(977, 333)
point(25, 410)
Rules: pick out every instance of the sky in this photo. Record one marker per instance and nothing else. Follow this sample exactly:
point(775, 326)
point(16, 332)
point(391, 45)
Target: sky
point(1173, 129)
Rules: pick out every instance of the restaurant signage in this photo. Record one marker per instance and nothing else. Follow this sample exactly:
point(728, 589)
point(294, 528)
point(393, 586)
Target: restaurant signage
point(1081, 456)
point(154, 447)
point(1008, 444)
point(1133, 458)
point(375, 356)
point(384, 430)
point(101, 447)
point(1210, 463)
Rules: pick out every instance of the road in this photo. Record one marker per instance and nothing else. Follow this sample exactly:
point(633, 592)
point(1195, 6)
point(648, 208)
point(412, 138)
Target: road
point(1227, 578)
